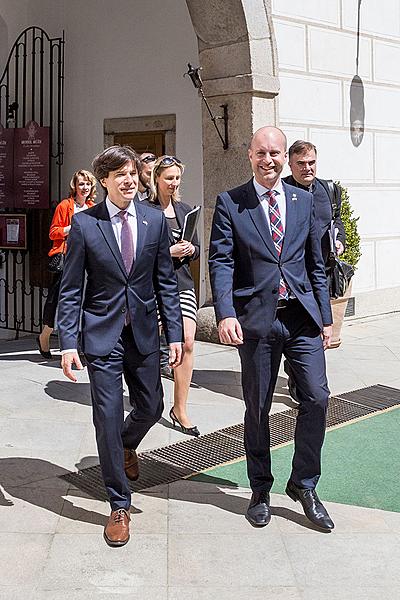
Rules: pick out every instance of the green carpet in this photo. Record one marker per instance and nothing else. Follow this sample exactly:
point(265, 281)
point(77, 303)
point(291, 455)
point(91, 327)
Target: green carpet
point(360, 464)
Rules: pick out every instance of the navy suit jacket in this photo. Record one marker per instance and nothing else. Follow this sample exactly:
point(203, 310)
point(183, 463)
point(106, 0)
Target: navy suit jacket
point(323, 214)
point(245, 268)
point(110, 291)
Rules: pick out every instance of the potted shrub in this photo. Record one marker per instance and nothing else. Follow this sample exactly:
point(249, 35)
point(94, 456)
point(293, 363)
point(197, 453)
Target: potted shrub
point(351, 255)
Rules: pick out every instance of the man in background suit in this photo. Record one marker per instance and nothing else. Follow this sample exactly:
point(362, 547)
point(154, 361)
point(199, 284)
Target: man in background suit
point(327, 202)
point(271, 298)
point(123, 248)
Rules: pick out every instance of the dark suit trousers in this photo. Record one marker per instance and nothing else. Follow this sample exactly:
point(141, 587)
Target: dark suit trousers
point(142, 375)
point(295, 335)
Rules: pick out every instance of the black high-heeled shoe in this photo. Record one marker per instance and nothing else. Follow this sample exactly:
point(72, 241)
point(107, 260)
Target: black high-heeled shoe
point(176, 422)
point(45, 353)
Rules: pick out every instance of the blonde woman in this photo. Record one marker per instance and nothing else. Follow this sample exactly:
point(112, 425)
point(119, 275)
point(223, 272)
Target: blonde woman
point(164, 185)
point(82, 194)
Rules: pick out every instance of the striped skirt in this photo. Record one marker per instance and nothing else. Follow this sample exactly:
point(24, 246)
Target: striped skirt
point(188, 303)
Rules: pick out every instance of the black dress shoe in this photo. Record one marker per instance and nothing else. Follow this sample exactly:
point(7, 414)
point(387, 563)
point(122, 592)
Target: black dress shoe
point(313, 508)
point(259, 513)
point(45, 353)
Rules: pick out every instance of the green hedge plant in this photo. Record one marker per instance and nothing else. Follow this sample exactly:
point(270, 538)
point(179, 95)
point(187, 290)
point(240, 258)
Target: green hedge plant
point(352, 254)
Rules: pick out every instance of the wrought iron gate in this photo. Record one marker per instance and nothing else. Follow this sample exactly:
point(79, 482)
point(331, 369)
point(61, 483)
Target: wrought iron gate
point(32, 88)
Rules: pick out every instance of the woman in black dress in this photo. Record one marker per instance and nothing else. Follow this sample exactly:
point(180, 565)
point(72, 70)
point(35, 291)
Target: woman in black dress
point(164, 185)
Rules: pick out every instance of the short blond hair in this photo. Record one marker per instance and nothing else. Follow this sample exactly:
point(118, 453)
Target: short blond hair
point(88, 176)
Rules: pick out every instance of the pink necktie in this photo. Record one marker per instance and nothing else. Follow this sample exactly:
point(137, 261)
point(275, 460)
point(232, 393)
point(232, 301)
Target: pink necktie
point(277, 236)
point(126, 241)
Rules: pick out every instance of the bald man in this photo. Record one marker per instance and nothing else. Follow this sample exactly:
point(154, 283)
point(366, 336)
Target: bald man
point(271, 299)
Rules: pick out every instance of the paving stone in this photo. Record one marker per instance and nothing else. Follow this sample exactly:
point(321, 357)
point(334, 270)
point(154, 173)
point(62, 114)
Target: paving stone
point(257, 559)
point(228, 592)
point(89, 564)
point(351, 559)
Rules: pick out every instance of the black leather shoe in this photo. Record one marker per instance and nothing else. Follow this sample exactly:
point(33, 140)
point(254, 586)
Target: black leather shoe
point(313, 508)
point(259, 513)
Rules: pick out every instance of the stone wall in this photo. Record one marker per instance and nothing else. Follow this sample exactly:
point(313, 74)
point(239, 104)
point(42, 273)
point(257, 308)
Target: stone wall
point(317, 50)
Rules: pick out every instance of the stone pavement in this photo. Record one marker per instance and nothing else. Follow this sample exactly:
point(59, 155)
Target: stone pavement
point(188, 538)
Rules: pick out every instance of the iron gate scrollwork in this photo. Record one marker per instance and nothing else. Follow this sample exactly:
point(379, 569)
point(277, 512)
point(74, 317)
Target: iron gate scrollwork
point(32, 89)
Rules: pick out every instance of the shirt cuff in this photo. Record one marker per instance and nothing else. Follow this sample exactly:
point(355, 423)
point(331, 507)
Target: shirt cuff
point(65, 351)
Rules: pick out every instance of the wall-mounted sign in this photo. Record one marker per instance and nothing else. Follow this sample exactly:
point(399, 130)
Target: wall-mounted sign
point(31, 166)
point(6, 167)
point(13, 231)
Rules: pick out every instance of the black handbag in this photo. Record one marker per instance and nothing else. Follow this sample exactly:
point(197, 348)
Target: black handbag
point(56, 263)
point(338, 272)
point(339, 275)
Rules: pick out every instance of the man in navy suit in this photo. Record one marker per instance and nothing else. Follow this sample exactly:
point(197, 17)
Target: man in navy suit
point(123, 248)
point(271, 298)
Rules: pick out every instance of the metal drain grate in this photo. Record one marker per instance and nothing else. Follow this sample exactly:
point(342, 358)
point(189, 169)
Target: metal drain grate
point(377, 397)
point(180, 460)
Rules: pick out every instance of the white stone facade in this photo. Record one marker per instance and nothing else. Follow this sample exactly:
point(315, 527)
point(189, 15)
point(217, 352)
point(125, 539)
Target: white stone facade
point(317, 48)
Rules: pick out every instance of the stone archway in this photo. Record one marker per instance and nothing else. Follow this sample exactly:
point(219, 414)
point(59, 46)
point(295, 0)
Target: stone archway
point(237, 53)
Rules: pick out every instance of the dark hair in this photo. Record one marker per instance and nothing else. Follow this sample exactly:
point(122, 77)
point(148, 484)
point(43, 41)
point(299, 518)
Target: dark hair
point(112, 159)
point(300, 146)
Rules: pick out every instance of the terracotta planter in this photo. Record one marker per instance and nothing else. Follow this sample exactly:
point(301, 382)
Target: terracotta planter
point(338, 309)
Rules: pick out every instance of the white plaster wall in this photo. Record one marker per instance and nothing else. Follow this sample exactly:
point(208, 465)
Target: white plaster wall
point(122, 59)
point(317, 45)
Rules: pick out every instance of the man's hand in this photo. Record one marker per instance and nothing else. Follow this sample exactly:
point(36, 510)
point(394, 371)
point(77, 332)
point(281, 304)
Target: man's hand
point(67, 360)
point(230, 331)
point(175, 354)
point(339, 248)
point(327, 336)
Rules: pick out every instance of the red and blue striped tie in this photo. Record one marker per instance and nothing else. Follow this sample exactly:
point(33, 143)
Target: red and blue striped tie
point(277, 234)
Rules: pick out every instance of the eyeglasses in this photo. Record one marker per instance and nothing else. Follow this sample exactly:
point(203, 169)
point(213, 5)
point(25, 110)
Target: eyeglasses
point(149, 159)
point(167, 161)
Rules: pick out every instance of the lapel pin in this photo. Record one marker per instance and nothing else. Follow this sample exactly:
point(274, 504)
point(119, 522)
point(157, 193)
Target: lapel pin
point(294, 197)
point(144, 222)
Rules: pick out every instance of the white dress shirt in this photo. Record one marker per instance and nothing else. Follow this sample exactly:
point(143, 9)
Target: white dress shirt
point(116, 222)
point(280, 198)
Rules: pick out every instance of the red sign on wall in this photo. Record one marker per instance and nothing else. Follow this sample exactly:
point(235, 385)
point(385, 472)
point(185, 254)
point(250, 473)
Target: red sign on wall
point(31, 166)
point(6, 167)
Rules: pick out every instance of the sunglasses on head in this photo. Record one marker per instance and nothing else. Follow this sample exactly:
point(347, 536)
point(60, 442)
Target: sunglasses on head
point(167, 161)
point(149, 159)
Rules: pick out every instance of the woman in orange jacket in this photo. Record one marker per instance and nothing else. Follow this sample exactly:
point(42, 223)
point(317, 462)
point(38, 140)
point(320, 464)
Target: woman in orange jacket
point(82, 194)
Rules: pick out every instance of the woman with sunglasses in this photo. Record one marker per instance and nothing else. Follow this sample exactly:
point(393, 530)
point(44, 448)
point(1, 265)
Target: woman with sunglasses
point(164, 185)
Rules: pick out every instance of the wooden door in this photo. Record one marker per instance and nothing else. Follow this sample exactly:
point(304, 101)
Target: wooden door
point(143, 141)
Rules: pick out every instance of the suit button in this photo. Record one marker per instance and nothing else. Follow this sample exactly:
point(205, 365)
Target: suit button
point(275, 291)
point(123, 309)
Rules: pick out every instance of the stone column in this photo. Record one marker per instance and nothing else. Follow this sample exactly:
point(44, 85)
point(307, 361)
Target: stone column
point(237, 53)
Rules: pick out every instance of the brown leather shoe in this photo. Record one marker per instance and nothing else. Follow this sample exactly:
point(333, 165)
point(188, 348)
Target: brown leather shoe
point(131, 464)
point(116, 532)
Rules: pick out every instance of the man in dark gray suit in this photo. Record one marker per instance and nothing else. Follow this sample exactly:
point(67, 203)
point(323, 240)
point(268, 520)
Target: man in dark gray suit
point(327, 203)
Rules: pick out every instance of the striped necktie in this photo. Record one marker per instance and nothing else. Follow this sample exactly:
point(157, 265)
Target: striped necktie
point(277, 234)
